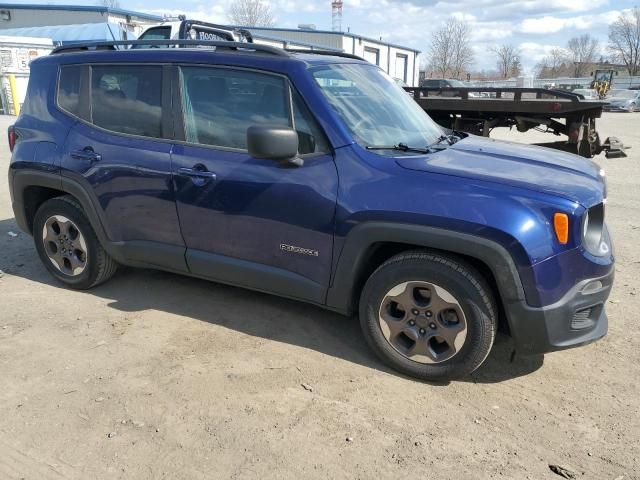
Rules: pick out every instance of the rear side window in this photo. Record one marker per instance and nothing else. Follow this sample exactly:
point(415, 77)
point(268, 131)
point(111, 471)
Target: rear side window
point(221, 104)
point(127, 99)
point(69, 89)
point(431, 83)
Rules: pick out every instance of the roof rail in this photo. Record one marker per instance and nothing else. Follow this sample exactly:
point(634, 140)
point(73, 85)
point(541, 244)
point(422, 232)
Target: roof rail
point(79, 47)
point(325, 52)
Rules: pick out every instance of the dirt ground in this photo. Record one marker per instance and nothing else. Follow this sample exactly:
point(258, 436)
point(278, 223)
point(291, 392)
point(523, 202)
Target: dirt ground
point(153, 375)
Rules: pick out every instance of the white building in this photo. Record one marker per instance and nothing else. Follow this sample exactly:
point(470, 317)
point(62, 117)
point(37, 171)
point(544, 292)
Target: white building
point(15, 55)
point(24, 16)
point(74, 23)
point(398, 61)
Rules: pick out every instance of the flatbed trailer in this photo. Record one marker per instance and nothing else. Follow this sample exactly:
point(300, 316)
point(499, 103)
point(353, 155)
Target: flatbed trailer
point(480, 110)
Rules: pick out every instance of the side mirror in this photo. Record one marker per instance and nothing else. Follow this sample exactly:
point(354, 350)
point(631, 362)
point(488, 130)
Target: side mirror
point(274, 142)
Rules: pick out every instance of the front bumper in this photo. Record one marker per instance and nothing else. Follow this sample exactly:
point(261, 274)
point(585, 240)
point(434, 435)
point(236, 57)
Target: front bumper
point(576, 319)
point(616, 108)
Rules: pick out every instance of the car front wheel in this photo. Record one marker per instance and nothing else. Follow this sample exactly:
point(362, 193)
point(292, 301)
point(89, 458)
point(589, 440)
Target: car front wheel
point(429, 315)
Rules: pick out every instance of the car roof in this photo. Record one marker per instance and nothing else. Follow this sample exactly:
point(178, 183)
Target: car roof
point(227, 51)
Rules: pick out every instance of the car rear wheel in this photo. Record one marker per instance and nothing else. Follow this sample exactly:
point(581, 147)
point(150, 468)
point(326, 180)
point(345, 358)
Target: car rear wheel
point(428, 315)
point(68, 246)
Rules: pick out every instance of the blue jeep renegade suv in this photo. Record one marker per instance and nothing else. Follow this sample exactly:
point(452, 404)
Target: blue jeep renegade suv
point(315, 177)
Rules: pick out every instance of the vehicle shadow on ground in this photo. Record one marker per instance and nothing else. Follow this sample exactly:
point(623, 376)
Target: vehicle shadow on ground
point(257, 314)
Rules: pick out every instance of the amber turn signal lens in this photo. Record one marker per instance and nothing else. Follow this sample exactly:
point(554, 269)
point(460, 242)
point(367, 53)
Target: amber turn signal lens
point(561, 227)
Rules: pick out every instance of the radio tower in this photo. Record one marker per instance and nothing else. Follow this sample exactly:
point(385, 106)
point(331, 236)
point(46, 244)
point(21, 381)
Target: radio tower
point(336, 15)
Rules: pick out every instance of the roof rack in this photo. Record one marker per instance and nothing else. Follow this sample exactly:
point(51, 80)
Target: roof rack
point(80, 47)
point(325, 52)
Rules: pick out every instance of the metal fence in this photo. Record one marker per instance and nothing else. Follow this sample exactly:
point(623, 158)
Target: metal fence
point(582, 82)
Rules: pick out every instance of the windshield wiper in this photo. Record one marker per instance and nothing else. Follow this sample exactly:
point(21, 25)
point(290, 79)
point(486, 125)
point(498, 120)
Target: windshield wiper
point(451, 139)
point(402, 147)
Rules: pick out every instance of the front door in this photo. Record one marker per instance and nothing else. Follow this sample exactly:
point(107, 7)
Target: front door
point(245, 221)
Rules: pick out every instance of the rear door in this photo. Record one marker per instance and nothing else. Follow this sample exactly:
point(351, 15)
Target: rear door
point(246, 221)
point(119, 150)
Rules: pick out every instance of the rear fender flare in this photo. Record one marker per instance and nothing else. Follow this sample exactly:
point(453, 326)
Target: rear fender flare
point(22, 179)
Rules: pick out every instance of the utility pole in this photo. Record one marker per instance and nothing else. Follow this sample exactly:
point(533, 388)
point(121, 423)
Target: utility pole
point(336, 15)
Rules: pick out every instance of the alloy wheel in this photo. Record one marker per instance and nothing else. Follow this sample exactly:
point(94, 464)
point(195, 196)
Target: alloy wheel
point(65, 245)
point(423, 322)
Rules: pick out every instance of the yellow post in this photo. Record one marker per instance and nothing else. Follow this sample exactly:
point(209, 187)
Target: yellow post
point(14, 94)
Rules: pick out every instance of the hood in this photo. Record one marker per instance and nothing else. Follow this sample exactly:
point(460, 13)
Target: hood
point(527, 166)
point(619, 100)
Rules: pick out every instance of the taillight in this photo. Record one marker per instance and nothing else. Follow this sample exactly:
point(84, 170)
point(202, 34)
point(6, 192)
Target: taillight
point(11, 133)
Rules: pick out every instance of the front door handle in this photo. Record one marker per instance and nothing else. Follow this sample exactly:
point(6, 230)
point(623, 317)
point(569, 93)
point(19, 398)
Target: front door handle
point(87, 154)
point(199, 174)
point(193, 172)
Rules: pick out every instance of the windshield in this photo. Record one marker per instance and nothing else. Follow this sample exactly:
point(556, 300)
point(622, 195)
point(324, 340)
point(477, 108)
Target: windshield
point(155, 33)
point(375, 109)
point(457, 83)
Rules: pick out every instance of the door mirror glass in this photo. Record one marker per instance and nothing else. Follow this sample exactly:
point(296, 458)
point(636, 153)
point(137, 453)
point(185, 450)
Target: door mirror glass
point(273, 142)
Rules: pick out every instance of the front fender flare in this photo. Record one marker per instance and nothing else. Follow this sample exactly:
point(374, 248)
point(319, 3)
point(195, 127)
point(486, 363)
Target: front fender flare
point(341, 294)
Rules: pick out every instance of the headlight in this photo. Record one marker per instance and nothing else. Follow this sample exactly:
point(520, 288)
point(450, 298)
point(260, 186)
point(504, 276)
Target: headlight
point(594, 235)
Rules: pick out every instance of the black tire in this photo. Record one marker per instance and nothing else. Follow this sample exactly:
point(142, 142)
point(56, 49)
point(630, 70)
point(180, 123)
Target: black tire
point(99, 266)
point(461, 281)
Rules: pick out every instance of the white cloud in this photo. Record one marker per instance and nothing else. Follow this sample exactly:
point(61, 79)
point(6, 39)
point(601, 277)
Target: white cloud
point(214, 14)
point(551, 24)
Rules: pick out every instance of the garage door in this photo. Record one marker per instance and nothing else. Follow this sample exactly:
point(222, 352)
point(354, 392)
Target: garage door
point(401, 67)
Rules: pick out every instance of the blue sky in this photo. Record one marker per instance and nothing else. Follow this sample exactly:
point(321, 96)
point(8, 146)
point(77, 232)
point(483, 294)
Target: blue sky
point(536, 26)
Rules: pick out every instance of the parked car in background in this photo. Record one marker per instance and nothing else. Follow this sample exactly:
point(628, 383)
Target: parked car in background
point(587, 93)
point(447, 84)
point(614, 92)
point(441, 83)
point(624, 101)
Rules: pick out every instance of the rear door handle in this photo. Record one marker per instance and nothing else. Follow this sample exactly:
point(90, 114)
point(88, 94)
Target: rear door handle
point(87, 154)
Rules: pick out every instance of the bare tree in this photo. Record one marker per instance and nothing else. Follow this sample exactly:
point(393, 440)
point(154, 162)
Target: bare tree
point(109, 3)
point(554, 65)
point(251, 13)
point(508, 60)
point(583, 52)
point(624, 40)
point(450, 52)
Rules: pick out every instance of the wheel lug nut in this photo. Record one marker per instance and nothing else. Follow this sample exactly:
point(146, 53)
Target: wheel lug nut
point(415, 311)
point(412, 323)
point(422, 331)
point(428, 313)
point(432, 326)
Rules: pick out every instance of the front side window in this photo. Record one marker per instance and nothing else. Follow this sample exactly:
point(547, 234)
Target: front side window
point(127, 99)
point(311, 139)
point(69, 89)
point(375, 109)
point(221, 104)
